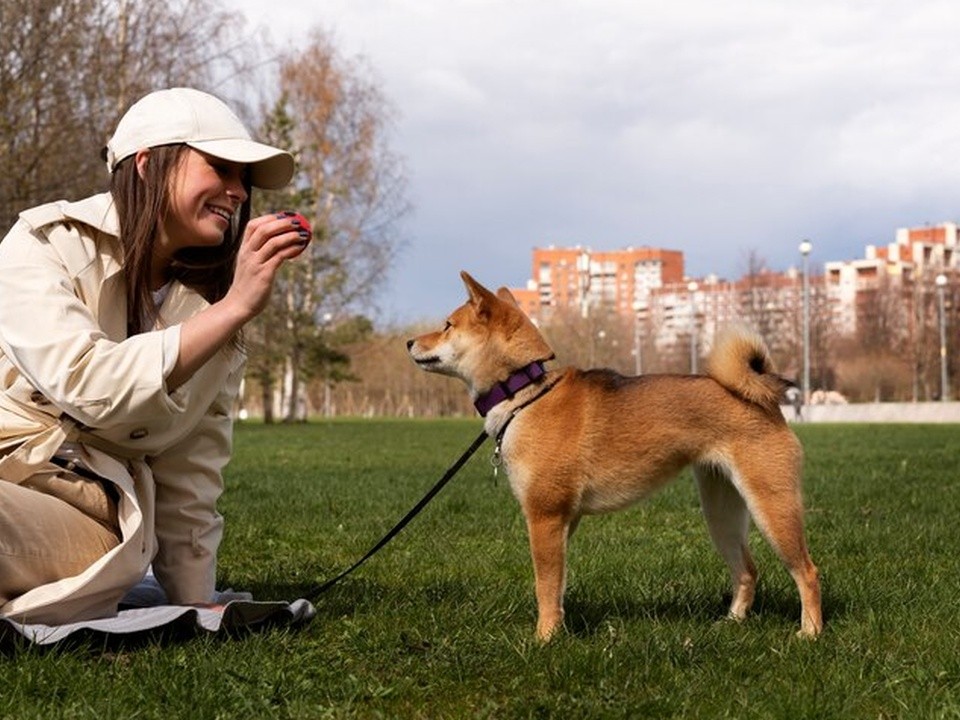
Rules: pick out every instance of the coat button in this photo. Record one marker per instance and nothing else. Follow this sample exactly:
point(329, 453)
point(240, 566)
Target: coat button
point(139, 434)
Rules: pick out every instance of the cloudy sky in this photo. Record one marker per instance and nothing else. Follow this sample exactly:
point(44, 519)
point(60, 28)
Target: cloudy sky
point(715, 128)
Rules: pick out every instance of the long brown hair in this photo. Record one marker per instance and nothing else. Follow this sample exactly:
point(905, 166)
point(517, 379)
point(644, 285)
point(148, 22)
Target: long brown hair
point(142, 204)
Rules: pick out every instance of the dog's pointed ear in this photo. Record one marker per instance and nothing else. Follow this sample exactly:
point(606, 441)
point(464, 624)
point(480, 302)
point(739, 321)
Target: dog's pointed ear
point(507, 296)
point(481, 298)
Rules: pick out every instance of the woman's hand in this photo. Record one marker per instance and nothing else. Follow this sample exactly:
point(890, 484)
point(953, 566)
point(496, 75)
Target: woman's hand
point(268, 242)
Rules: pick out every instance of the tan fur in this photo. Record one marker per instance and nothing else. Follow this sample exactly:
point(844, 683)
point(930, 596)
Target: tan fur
point(597, 441)
point(736, 351)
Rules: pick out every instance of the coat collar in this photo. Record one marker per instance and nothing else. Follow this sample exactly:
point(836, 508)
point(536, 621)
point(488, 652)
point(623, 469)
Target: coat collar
point(100, 213)
point(99, 245)
point(97, 211)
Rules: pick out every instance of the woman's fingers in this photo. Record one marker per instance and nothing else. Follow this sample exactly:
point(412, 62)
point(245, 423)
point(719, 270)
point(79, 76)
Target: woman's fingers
point(277, 231)
point(270, 240)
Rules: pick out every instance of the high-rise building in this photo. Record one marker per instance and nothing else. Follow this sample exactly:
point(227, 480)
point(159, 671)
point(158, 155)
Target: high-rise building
point(620, 280)
point(898, 274)
point(888, 293)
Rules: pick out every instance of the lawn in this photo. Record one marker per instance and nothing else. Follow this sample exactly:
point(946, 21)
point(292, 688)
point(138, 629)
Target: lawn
point(440, 623)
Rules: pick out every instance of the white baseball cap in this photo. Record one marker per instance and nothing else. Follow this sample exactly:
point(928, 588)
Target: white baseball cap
point(203, 122)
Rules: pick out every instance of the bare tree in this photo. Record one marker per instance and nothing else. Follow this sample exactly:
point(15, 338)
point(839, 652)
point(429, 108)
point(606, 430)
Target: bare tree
point(351, 187)
point(70, 68)
point(357, 184)
point(759, 300)
point(388, 382)
point(824, 336)
point(603, 338)
point(880, 334)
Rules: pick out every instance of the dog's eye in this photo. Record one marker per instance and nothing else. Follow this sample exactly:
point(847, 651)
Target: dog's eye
point(447, 325)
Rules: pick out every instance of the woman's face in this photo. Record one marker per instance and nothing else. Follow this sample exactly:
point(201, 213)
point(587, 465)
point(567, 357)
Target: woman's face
point(205, 192)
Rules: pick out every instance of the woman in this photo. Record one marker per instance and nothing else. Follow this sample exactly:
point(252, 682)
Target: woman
point(120, 361)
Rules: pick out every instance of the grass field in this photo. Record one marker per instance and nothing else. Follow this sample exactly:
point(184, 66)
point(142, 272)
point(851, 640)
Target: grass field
point(440, 623)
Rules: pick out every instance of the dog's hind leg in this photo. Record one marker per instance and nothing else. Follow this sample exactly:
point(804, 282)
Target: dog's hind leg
point(768, 476)
point(728, 521)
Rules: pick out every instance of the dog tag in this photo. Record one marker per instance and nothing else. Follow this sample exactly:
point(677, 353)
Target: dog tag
point(496, 460)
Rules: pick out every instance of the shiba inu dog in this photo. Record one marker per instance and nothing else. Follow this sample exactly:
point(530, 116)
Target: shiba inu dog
point(580, 442)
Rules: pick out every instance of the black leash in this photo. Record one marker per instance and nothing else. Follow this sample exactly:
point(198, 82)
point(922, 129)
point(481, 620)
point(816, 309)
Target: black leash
point(320, 589)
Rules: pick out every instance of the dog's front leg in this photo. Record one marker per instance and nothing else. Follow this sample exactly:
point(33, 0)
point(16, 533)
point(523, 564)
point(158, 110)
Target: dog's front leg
point(548, 546)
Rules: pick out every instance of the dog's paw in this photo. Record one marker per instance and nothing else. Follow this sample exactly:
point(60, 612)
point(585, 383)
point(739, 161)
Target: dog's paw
point(547, 630)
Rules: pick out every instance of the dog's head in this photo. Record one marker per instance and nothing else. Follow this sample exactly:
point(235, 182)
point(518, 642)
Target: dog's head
point(482, 341)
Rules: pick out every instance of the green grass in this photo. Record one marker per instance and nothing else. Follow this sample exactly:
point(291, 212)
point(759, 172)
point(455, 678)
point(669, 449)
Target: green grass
point(440, 623)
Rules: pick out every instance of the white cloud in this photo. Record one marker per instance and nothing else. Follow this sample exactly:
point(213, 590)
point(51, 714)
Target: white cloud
point(710, 127)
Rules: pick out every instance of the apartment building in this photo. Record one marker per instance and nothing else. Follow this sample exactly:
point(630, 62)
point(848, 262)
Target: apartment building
point(671, 310)
point(580, 277)
point(649, 284)
point(901, 274)
point(768, 301)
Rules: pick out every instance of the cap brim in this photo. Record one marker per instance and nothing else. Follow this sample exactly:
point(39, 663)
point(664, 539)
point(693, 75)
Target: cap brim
point(270, 167)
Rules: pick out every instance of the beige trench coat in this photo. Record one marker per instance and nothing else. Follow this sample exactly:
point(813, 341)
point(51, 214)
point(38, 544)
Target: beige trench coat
point(68, 372)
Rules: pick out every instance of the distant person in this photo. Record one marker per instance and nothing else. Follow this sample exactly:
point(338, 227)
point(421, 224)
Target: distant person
point(120, 361)
point(795, 397)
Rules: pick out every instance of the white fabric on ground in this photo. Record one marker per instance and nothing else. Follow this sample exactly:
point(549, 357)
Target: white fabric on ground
point(145, 608)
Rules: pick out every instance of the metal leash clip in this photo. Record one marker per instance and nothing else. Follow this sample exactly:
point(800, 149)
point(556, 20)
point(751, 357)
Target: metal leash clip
point(496, 460)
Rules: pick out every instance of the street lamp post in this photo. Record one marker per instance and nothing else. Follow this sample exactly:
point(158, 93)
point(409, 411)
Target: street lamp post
point(583, 272)
point(637, 349)
point(941, 282)
point(692, 287)
point(594, 339)
point(327, 399)
point(805, 248)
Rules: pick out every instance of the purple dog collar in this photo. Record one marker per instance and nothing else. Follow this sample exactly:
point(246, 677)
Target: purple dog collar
point(507, 389)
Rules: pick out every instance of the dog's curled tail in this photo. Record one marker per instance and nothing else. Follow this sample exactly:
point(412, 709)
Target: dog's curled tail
point(740, 361)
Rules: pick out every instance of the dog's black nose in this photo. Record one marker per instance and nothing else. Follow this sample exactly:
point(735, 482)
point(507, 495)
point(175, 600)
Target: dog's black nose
point(409, 344)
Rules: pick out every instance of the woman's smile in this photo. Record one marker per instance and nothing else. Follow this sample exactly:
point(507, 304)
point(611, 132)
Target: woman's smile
point(224, 213)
